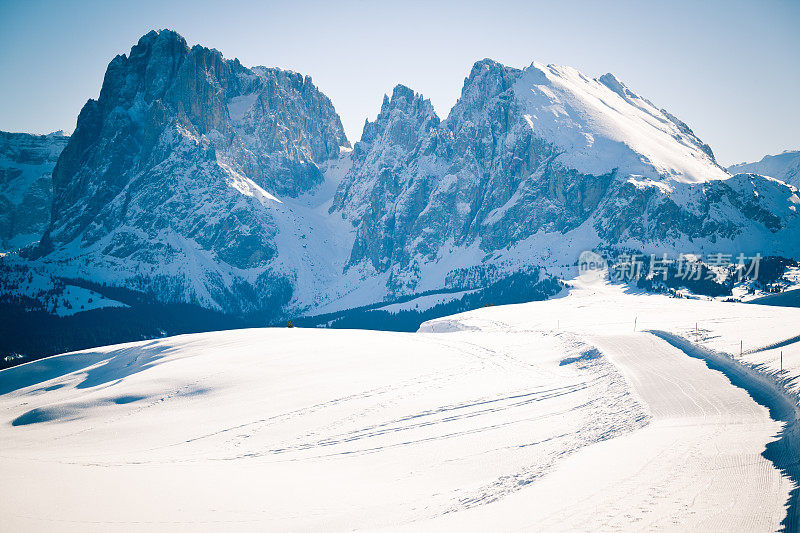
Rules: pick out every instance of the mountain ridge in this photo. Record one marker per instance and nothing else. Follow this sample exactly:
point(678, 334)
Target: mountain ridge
point(784, 166)
point(196, 180)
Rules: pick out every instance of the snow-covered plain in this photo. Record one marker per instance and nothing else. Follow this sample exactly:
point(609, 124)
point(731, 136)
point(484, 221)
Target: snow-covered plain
point(550, 415)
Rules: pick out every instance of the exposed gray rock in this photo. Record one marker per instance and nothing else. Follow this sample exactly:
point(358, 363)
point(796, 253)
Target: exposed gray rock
point(163, 186)
point(506, 170)
point(26, 165)
point(199, 180)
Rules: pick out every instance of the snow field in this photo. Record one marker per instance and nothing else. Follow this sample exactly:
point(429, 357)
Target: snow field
point(549, 415)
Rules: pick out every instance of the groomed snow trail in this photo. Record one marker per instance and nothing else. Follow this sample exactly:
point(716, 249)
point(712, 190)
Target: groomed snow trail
point(696, 467)
point(712, 430)
point(544, 416)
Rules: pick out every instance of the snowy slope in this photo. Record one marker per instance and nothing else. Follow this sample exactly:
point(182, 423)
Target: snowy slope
point(601, 125)
point(44, 292)
point(551, 415)
point(784, 166)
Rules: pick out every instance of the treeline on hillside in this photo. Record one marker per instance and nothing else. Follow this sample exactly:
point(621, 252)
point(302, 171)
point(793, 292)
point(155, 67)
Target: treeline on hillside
point(519, 287)
point(30, 335)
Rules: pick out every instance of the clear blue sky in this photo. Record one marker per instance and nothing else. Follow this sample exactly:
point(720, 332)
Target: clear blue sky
point(731, 70)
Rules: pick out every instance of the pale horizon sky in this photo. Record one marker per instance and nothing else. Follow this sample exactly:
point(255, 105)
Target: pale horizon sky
point(731, 70)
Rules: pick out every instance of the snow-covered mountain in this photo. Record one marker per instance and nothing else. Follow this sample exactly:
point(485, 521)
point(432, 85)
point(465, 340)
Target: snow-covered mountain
point(536, 165)
point(197, 180)
point(170, 182)
point(784, 166)
point(26, 165)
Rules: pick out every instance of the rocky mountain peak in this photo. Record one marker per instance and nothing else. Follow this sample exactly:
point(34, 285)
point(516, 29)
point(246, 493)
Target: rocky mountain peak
point(403, 120)
point(183, 160)
point(271, 126)
point(406, 99)
point(148, 70)
point(488, 72)
point(200, 180)
point(487, 81)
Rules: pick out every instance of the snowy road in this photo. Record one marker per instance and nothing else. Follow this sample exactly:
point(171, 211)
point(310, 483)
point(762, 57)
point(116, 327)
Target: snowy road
point(696, 467)
point(552, 415)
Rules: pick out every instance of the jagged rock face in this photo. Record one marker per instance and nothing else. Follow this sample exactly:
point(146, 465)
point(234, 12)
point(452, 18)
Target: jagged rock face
point(172, 175)
point(271, 126)
point(386, 181)
point(417, 185)
point(26, 165)
point(750, 213)
point(543, 151)
point(198, 180)
point(516, 186)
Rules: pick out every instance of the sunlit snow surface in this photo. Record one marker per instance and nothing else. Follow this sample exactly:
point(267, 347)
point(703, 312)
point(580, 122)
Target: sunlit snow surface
point(549, 415)
point(784, 166)
point(601, 125)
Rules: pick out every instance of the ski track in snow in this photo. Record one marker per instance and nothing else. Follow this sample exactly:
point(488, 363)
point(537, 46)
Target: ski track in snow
point(550, 416)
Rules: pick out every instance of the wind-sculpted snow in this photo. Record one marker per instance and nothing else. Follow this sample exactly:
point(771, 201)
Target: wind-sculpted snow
point(601, 125)
point(26, 165)
point(414, 425)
